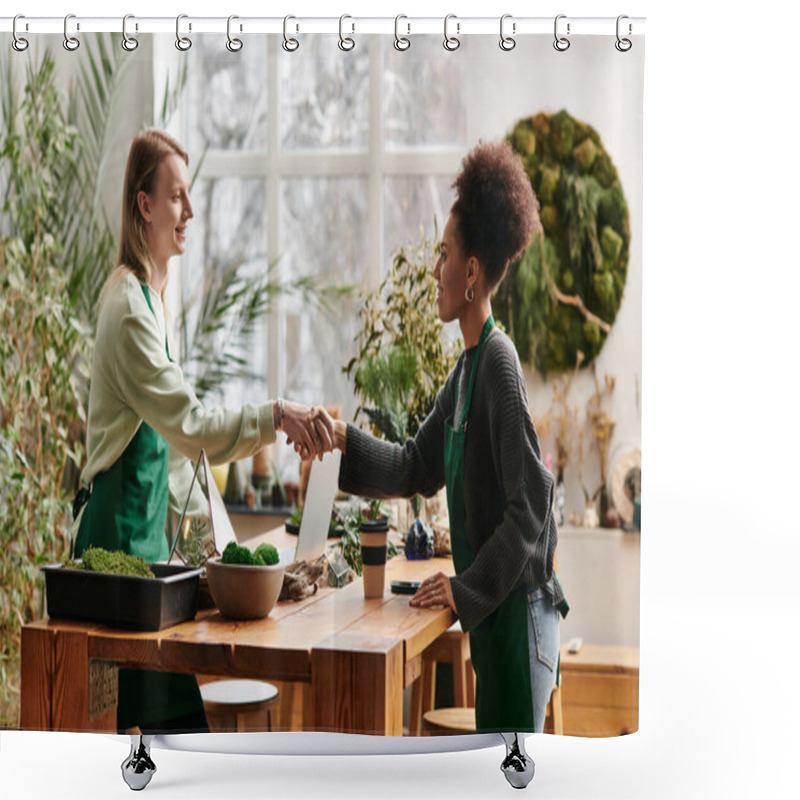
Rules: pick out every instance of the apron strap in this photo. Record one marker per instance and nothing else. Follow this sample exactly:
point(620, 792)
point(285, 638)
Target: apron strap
point(487, 329)
point(146, 292)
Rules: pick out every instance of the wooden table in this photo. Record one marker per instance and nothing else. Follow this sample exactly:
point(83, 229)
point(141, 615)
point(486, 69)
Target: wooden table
point(356, 655)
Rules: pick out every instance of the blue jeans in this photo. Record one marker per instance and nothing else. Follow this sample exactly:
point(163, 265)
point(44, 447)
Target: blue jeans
point(543, 644)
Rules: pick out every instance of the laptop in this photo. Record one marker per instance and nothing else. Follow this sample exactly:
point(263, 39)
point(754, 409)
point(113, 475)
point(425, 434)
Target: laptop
point(323, 483)
point(312, 540)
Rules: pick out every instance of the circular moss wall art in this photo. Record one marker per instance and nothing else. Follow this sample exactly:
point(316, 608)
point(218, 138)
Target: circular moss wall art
point(562, 296)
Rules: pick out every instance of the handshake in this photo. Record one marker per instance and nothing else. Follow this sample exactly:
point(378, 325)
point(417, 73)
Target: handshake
point(311, 430)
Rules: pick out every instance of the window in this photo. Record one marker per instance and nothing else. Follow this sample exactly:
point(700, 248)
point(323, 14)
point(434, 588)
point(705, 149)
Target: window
point(327, 162)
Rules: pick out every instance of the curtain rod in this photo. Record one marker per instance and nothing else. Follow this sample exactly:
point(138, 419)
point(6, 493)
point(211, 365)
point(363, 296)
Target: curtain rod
point(404, 25)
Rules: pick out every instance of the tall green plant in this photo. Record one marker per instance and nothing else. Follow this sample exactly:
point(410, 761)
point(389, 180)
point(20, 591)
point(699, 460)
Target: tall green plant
point(42, 342)
point(400, 322)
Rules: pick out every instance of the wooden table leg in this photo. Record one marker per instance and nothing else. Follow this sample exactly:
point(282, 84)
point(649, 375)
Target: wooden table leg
point(36, 698)
point(71, 681)
point(357, 685)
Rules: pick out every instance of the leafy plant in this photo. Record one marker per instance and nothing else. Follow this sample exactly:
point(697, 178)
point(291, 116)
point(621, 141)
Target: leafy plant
point(44, 342)
point(218, 322)
point(402, 358)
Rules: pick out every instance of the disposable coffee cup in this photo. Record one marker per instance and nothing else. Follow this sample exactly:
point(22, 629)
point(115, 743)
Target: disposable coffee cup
point(374, 541)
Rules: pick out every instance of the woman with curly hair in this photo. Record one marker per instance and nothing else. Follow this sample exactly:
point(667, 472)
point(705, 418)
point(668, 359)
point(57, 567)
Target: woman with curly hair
point(479, 441)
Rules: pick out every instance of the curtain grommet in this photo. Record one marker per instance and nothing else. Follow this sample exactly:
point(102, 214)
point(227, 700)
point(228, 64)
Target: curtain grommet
point(507, 43)
point(129, 43)
point(183, 43)
point(19, 43)
point(623, 44)
point(451, 43)
point(70, 43)
point(346, 43)
point(289, 43)
point(233, 44)
point(561, 43)
point(401, 43)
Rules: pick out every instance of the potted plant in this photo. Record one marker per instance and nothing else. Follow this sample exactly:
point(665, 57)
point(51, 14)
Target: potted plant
point(403, 358)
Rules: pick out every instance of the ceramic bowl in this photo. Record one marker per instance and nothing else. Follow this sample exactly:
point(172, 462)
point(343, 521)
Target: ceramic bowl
point(241, 591)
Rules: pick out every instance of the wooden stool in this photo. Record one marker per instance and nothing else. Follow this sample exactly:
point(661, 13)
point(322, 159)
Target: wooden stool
point(451, 647)
point(554, 719)
point(462, 720)
point(449, 720)
point(228, 702)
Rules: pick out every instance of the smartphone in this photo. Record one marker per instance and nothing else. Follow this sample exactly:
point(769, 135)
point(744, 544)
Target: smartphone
point(405, 587)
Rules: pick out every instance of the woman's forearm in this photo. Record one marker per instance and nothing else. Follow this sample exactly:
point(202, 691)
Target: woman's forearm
point(340, 435)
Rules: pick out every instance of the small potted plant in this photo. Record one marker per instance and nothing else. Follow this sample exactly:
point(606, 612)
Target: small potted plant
point(245, 584)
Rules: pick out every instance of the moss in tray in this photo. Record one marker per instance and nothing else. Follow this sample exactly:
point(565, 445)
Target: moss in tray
point(97, 559)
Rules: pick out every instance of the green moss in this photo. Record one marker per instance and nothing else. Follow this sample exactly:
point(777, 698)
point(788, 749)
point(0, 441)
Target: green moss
point(583, 250)
point(549, 218)
point(562, 130)
point(114, 562)
point(268, 554)
point(585, 154)
point(592, 333)
point(610, 243)
point(613, 210)
point(549, 184)
point(603, 283)
point(604, 171)
point(236, 554)
point(524, 138)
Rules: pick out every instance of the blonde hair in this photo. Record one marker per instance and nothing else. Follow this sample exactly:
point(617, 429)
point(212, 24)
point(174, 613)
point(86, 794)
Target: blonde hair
point(147, 151)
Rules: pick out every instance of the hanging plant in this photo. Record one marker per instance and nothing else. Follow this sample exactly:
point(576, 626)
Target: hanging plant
point(563, 294)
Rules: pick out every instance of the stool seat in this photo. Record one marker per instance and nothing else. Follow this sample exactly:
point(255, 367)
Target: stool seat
point(228, 703)
point(238, 692)
point(449, 720)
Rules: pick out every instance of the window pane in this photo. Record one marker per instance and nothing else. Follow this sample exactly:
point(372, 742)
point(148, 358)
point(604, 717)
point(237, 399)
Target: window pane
point(325, 96)
point(423, 96)
point(215, 77)
point(414, 204)
point(229, 229)
point(324, 233)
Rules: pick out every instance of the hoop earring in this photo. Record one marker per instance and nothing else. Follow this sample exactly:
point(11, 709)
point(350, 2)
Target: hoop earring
point(469, 294)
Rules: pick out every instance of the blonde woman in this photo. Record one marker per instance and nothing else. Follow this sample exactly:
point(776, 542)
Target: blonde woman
point(141, 411)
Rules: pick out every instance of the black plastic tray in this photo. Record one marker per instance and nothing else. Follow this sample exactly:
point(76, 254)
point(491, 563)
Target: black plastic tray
point(123, 601)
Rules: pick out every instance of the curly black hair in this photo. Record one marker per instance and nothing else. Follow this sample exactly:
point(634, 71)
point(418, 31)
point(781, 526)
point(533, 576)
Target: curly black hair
point(496, 210)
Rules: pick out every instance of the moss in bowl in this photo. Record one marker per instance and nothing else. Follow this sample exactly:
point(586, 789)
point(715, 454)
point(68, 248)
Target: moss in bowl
point(245, 584)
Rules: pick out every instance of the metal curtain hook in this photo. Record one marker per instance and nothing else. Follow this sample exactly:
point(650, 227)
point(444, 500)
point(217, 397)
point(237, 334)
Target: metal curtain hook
point(401, 43)
point(18, 42)
point(561, 43)
point(71, 43)
point(290, 44)
point(234, 45)
point(345, 42)
point(507, 42)
point(623, 45)
point(451, 42)
point(183, 43)
point(129, 43)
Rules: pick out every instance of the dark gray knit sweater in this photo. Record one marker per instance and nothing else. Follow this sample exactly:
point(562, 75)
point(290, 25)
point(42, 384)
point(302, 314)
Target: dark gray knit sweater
point(508, 491)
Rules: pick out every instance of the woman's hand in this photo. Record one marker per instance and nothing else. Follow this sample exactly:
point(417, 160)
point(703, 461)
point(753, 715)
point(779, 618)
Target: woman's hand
point(335, 428)
point(308, 432)
point(434, 591)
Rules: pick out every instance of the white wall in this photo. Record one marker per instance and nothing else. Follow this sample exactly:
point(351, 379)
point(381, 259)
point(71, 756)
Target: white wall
point(602, 87)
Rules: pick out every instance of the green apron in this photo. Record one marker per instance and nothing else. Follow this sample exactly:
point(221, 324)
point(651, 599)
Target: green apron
point(499, 645)
point(127, 510)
